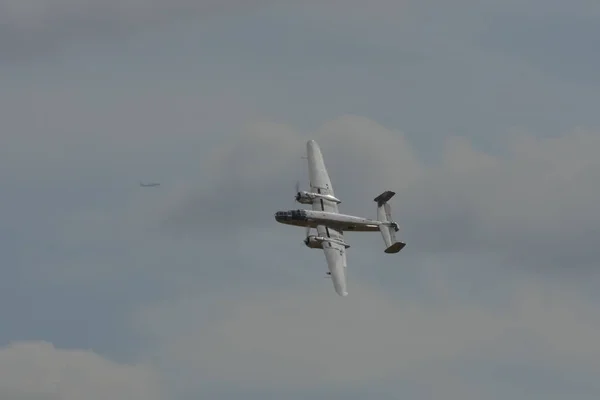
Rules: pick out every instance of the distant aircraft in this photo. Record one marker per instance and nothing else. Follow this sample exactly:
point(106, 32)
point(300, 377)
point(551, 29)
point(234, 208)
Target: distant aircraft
point(151, 184)
point(330, 224)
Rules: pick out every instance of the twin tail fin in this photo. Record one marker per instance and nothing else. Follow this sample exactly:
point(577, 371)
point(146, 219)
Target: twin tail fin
point(388, 227)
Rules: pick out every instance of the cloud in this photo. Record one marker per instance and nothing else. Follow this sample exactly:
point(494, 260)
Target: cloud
point(73, 153)
point(535, 204)
point(31, 26)
point(532, 205)
point(353, 10)
point(139, 130)
point(266, 158)
point(303, 339)
point(38, 370)
point(560, 44)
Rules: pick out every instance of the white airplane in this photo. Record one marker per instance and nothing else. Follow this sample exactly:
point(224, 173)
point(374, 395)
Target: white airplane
point(330, 224)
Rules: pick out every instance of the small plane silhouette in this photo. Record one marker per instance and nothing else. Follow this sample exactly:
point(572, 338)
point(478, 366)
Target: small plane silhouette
point(151, 184)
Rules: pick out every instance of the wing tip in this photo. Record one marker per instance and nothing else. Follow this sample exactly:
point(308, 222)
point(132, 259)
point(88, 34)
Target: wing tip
point(313, 146)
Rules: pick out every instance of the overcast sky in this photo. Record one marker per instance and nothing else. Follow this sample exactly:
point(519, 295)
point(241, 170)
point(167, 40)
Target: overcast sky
point(481, 115)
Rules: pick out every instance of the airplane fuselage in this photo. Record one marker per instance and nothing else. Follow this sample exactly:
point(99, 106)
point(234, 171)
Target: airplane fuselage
point(313, 218)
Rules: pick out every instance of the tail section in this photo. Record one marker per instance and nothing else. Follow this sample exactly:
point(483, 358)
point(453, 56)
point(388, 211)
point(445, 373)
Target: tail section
point(388, 228)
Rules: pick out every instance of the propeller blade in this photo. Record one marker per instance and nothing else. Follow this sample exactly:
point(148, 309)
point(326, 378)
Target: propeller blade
point(306, 235)
point(296, 197)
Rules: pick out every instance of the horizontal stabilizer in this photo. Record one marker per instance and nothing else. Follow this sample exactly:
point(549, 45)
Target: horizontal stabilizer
point(384, 197)
point(395, 248)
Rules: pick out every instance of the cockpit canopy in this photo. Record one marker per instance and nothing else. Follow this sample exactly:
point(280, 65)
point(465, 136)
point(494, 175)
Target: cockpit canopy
point(293, 215)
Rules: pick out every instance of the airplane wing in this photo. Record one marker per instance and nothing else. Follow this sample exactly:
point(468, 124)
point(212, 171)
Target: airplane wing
point(335, 254)
point(319, 178)
point(320, 182)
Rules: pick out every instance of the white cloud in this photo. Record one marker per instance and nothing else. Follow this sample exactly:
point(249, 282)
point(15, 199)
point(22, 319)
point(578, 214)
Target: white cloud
point(38, 370)
point(267, 151)
point(303, 339)
point(535, 203)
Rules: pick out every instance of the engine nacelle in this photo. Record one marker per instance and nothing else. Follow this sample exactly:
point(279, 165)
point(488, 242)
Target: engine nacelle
point(316, 242)
point(304, 197)
point(313, 242)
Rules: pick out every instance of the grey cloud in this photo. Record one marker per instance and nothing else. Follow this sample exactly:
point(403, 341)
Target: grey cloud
point(561, 45)
point(68, 148)
point(535, 205)
point(75, 223)
point(32, 26)
point(38, 370)
point(353, 10)
point(302, 340)
point(117, 130)
point(256, 172)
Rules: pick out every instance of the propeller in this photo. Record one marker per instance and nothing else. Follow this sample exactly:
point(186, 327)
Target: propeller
point(307, 235)
point(297, 197)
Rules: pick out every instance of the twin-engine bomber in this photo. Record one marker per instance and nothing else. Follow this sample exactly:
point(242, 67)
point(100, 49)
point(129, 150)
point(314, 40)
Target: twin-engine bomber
point(330, 224)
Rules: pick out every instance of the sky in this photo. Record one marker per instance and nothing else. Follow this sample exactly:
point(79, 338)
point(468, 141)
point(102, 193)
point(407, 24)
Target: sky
point(481, 115)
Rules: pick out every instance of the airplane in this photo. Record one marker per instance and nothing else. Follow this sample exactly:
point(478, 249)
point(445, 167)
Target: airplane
point(152, 184)
point(330, 224)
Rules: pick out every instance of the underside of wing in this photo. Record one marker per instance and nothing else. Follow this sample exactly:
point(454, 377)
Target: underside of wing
point(335, 253)
point(319, 178)
point(335, 261)
point(334, 245)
